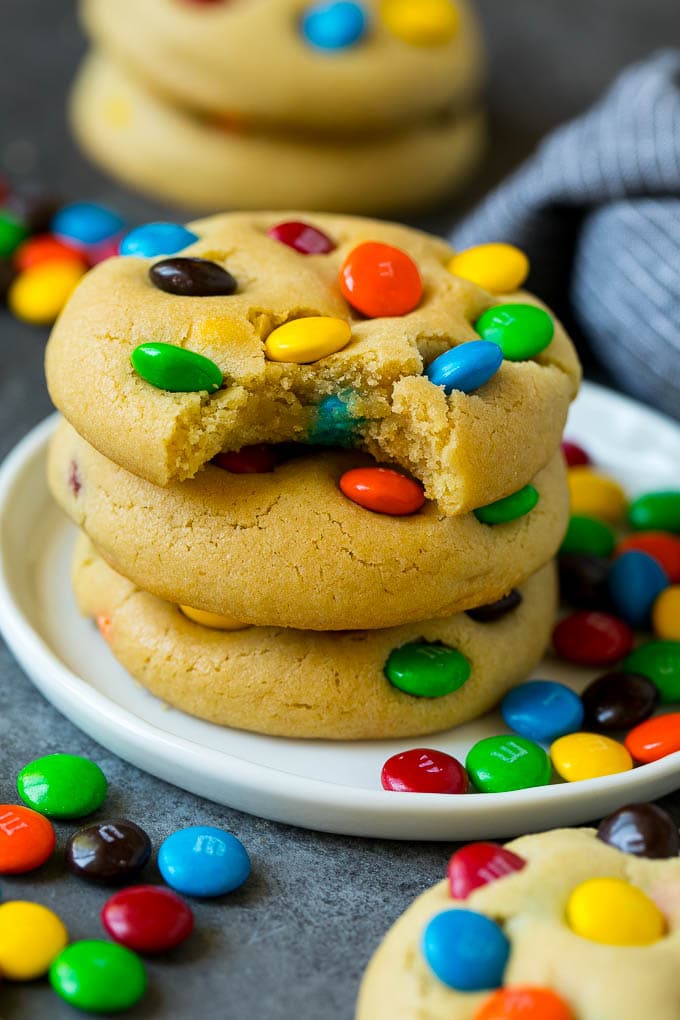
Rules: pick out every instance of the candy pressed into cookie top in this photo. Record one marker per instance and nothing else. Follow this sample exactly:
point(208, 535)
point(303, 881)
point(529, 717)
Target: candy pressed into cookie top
point(335, 331)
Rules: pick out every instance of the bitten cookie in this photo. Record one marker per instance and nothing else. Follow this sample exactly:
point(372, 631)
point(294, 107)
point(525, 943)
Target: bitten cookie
point(309, 684)
point(260, 342)
point(287, 548)
point(205, 164)
point(582, 931)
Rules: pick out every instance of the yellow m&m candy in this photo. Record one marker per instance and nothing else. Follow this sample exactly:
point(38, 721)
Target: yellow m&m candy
point(421, 22)
point(498, 268)
point(303, 341)
point(39, 293)
point(581, 756)
point(31, 936)
point(594, 495)
point(612, 911)
point(666, 614)
point(214, 620)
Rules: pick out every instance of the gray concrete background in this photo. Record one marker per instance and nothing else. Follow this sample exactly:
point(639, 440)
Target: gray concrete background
point(294, 942)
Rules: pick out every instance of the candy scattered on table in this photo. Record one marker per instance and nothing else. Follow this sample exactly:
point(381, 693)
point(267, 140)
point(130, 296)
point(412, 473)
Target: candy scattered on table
point(618, 701)
point(27, 839)
point(660, 661)
point(304, 341)
point(62, 786)
point(593, 639)
point(635, 581)
point(614, 912)
point(192, 278)
point(148, 918)
point(172, 368)
point(379, 280)
point(656, 511)
point(644, 830)
point(86, 223)
point(466, 367)
point(422, 770)
point(580, 756)
point(203, 861)
point(477, 864)
point(466, 950)
point(154, 239)
point(38, 294)
point(30, 938)
point(98, 976)
point(655, 738)
point(426, 670)
point(584, 581)
point(521, 331)
point(504, 763)
point(302, 237)
point(383, 491)
point(498, 268)
point(666, 614)
point(574, 454)
point(542, 710)
point(113, 850)
point(589, 537)
point(595, 495)
point(665, 549)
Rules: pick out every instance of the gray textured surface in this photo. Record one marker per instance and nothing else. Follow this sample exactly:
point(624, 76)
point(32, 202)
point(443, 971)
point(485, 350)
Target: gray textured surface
point(294, 942)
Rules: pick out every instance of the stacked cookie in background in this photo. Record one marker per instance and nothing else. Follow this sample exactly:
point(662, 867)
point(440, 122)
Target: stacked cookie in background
point(351, 106)
point(316, 466)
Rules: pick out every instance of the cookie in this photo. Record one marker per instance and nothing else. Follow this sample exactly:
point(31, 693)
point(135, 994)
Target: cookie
point(253, 60)
point(287, 548)
point(468, 448)
point(298, 683)
point(535, 909)
point(205, 164)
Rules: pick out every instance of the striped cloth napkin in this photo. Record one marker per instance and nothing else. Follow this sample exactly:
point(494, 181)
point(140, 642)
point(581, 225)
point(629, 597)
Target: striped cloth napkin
point(597, 209)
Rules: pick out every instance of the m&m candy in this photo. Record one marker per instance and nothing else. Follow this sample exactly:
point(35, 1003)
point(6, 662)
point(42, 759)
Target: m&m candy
point(504, 763)
point(249, 460)
point(493, 611)
point(498, 268)
point(510, 508)
point(617, 701)
point(172, 368)
point(334, 25)
point(383, 491)
point(589, 537)
point(635, 581)
point(542, 710)
point(157, 239)
point(38, 294)
point(656, 511)
point(524, 1002)
point(424, 669)
point(110, 851)
point(521, 331)
point(422, 770)
point(303, 341)
point(27, 839)
point(644, 830)
point(593, 639)
point(466, 367)
point(580, 756)
point(614, 912)
point(584, 581)
point(30, 938)
point(192, 278)
point(466, 950)
point(12, 232)
point(62, 785)
point(665, 549)
point(574, 454)
point(421, 23)
point(203, 861)
point(98, 976)
point(148, 918)
point(216, 621)
point(655, 738)
point(666, 614)
point(86, 223)
point(594, 495)
point(379, 280)
point(45, 248)
point(660, 661)
point(478, 864)
point(302, 237)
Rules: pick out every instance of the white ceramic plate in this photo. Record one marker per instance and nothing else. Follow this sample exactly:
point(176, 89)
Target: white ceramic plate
point(320, 785)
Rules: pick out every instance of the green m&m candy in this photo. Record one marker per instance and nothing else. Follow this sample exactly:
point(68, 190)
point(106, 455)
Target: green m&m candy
point(521, 331)
point(427, 670)
point(62, 786)
point(504, 763)
point(12, 233)
point(588, 537)
point(172, 368)
point(659, 661)
point(98, 976)
point(510, 508)
point(656, 511)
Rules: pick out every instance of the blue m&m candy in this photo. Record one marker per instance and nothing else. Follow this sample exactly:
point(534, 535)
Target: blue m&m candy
point(334, 26)
point(466, 950)
point(203, 861)
point(86, 223)
point(635, 580)
point(157, 239)
point(467, 367)
point(542, 710)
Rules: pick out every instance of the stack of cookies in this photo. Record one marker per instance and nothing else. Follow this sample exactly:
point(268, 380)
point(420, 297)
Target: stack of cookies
point(315, 460)
point(356, 105)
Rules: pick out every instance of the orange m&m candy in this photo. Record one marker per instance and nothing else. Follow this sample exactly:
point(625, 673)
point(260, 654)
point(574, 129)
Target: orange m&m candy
point(45, 248)
point(379, 280)
point(383, 490)
point(665, 549)
point(655, 738)
point(26, 839)
point(524, 1003)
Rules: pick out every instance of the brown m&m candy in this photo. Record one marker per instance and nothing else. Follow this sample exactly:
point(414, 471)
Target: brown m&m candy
point(641, 829)
point(113, 850)
point(496, 610)
point(192, 277)
point(618, 701)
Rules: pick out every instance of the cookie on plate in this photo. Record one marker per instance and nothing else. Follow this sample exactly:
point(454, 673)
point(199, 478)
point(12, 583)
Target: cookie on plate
point(330, 348)
point(287, 548)
point(313, 684)
point(557, 925)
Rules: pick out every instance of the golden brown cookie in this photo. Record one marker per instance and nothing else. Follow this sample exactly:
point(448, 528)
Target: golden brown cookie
point(309, 684)
point(468, 449)
point(594, 980)
point(288, 549)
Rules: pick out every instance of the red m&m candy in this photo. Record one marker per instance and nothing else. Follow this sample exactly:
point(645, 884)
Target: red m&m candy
point(148, 918)
point(478, 864)
point(45, 248)
point(26, 839)
point(592, 639)
point(383, 491)
point(655, 738)
point(662, 546)
point(422, 770)
point(574, 454)
point(524, 1002)
point(379, 280)
point(249, 460)
point(303, 237)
